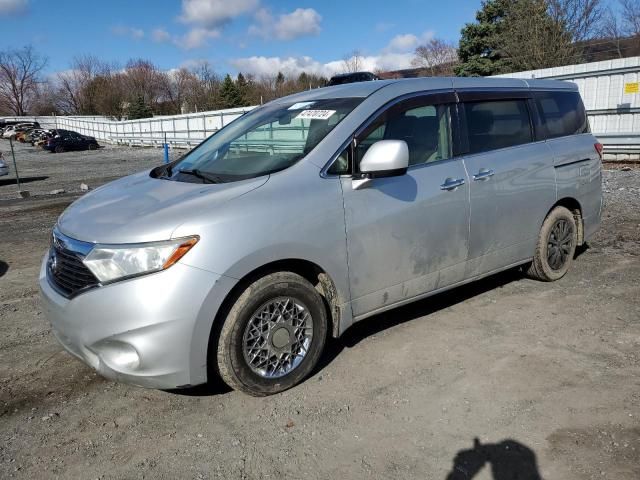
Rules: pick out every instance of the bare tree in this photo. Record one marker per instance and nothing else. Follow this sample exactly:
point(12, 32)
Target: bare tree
point(353, 62)
point(179, 86)
point(535, 39)
point(19, 77)
point(46, 99)
point(580, 18)
point(436, 57)
point(77, 85)
point(630, 17)
point(144, 80)
point(612, 29)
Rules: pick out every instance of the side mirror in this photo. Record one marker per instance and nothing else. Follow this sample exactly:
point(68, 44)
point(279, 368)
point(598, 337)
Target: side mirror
point(385, 158)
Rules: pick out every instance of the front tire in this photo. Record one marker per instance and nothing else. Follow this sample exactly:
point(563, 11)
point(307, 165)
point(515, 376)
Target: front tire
point(556, 246)
point(273, 335)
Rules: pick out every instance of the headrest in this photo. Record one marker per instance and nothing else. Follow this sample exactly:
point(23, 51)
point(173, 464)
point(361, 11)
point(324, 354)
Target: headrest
point(480, 121)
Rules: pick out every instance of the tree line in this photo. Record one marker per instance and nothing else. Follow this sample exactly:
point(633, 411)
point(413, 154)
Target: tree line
point(506, 36)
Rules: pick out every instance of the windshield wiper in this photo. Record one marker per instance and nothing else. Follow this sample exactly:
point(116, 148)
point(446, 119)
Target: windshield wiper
point(202, 175)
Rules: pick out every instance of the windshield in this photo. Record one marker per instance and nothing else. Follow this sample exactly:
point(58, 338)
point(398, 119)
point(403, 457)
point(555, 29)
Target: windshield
point(265, 140)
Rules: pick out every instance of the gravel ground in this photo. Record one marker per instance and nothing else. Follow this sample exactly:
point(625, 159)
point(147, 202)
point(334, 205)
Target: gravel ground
point(42, 172)
point(543, 375)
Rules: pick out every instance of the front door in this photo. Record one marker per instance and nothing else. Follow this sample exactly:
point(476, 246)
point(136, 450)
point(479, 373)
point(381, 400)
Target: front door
point(407, 235)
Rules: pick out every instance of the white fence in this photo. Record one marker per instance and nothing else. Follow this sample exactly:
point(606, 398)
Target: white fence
point(611, 93)
point(178, 130)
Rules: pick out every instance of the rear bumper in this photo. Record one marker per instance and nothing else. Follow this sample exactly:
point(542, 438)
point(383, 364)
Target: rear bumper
point(148, 331)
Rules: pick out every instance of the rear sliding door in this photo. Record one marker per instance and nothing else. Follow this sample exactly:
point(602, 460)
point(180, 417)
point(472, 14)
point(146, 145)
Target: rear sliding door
point(512, 179)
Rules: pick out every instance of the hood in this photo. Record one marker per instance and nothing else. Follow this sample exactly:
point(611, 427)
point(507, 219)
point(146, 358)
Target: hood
point(139, 208)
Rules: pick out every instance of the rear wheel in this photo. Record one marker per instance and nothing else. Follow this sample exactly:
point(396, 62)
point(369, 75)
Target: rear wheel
point(59, 149)
point(273, 335)
point(556, 246)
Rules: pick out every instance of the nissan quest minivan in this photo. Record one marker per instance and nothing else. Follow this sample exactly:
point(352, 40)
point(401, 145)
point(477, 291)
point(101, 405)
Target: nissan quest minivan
point(313, 212)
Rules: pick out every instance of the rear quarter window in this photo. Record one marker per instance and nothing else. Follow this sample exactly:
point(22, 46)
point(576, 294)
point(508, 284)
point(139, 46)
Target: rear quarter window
point(562, 114)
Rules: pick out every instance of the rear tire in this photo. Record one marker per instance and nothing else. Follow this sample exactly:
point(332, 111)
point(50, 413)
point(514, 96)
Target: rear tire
point(59, 149)
point(273, 335)
point(556, 246)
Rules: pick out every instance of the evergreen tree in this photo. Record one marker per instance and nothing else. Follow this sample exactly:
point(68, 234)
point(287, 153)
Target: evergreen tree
point(139, 109)
point(243, 90)
point(304, 81)
point(229, 93)
point(479, 51)
point(279, 79)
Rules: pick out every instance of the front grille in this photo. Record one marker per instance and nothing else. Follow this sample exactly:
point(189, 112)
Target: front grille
point(65, 270)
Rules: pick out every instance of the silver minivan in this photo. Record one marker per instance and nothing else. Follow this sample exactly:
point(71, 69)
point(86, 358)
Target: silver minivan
point(313, 212)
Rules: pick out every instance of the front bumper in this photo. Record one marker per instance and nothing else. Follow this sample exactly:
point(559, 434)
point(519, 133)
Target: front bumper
point(151, 331)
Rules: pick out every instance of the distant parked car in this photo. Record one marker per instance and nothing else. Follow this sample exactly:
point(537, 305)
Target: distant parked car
point(352, 78)
point(30, 135)
point(9, 132)
point(12, 131)
point(66, 140)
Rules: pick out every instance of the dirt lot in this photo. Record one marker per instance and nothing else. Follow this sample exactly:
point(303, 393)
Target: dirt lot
point(545, 376)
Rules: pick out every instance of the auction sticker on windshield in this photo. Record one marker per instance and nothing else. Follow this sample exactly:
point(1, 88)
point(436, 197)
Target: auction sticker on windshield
point(315, 114)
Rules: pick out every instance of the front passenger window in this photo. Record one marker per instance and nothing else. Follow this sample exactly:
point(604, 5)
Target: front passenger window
point(425, 128)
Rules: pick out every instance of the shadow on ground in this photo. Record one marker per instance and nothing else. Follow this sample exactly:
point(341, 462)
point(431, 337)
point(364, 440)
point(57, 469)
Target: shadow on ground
point(4, 268)
point(12, 181)
point(508, 460)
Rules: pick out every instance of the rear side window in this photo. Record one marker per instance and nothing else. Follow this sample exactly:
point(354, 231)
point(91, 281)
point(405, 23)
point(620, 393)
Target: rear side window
point(562, 114)
point(497, 124)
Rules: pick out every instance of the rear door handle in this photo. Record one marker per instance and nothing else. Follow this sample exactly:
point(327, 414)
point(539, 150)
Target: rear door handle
point(483, 174)
point(452, 183)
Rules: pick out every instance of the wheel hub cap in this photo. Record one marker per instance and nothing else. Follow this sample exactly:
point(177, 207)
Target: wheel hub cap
point(277, 337)
point(280, 338)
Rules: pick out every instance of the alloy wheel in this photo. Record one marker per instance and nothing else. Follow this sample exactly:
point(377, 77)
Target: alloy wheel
point(277, 337)
point(559, 244)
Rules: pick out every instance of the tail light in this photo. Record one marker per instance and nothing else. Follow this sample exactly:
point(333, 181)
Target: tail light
point(599, 147)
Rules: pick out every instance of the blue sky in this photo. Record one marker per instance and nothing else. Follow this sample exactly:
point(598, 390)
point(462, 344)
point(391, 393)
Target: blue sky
point(255, 36)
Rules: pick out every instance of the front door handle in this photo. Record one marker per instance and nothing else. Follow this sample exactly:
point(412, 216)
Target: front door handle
point(452, 183)
point(483, 174)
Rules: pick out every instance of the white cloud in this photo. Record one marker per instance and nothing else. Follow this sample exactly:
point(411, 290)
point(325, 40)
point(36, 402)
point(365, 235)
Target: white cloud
point(160, 35)
point(403, 43)
point(407, 42)
point(213, 13)
point(299, 23)
point(270, 66)
point(194, 63)
point(124, 31)
point(196, 38)
point(13, 7)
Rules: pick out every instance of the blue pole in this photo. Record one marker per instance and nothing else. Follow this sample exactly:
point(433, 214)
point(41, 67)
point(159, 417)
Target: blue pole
point(166, 149)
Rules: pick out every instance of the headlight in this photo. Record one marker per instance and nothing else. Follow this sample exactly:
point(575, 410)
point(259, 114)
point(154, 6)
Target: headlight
point(113, 262)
